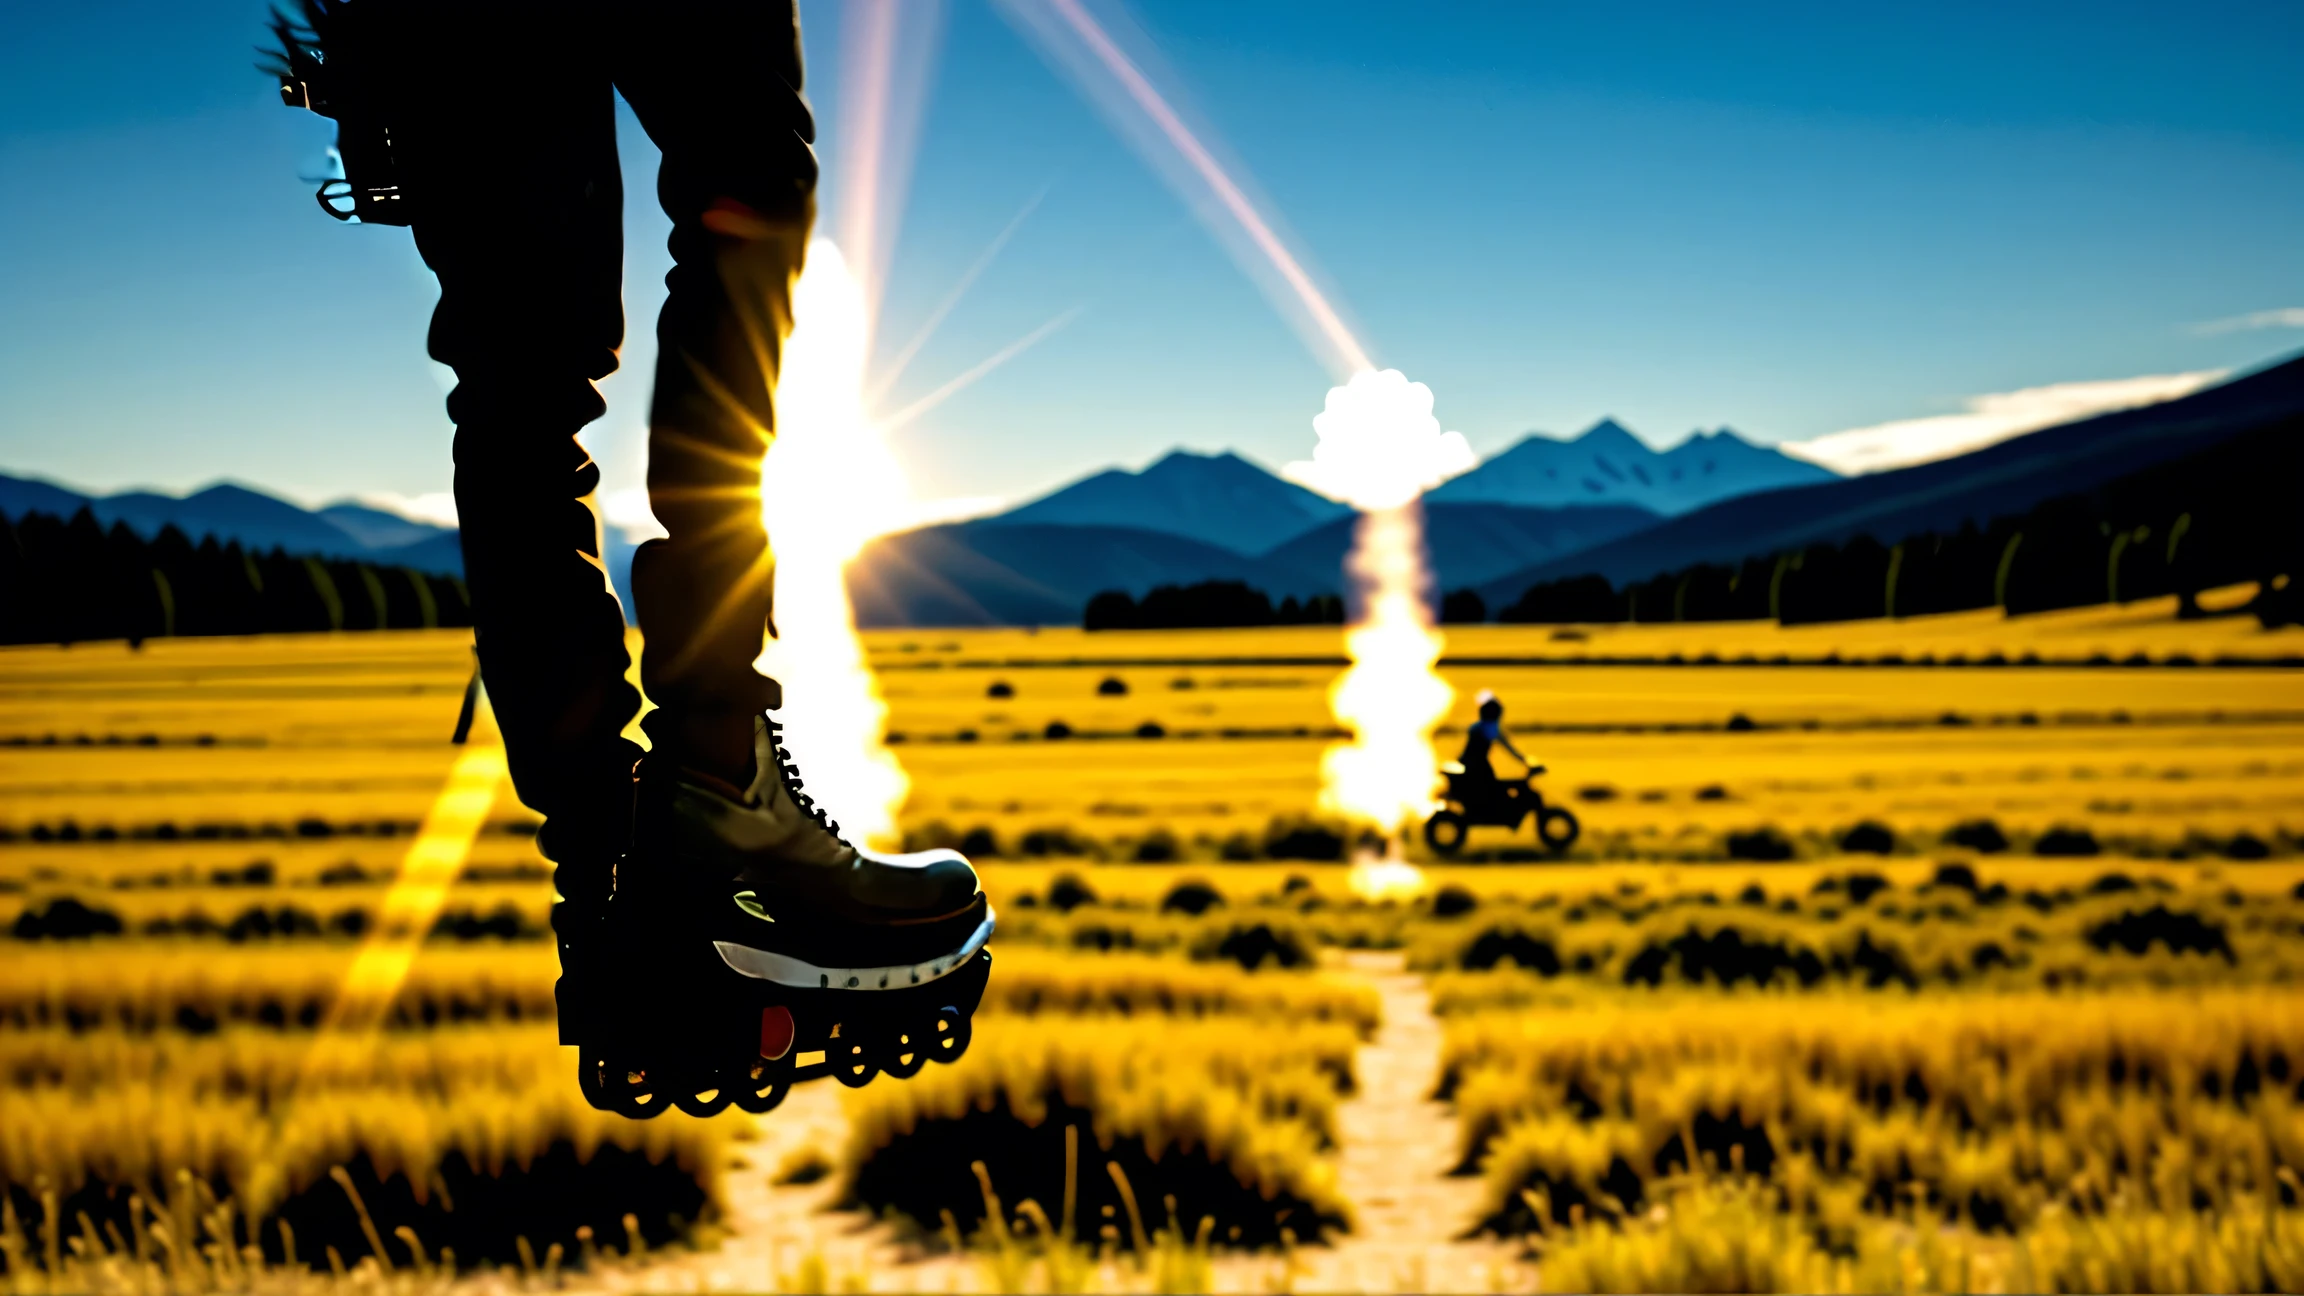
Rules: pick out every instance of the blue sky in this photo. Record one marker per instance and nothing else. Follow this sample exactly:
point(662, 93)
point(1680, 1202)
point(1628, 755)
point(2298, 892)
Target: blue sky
point(1790, 219)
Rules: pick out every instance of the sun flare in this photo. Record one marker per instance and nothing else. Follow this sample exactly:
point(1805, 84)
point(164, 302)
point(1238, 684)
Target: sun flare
point(829, 487)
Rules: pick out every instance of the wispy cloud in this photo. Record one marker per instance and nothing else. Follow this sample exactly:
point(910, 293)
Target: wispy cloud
point(435, 507)
point(2285, 317)
point(1989, 418)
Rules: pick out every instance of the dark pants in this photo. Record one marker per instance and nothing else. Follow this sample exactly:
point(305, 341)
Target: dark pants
point(503, 131)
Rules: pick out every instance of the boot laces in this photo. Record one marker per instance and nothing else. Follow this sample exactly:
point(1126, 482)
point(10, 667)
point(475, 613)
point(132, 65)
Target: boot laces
point(790, 770)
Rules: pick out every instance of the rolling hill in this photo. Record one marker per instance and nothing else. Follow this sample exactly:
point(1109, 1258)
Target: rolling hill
point(1006, 573)
point(1468, 543)
point(1220, 499)
point(997, 572)
point(2000, 479)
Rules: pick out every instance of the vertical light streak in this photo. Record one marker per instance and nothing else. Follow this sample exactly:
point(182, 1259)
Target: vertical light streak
point(1379, 449)
point(412, 904)
point(828, 487)
point(885, 74)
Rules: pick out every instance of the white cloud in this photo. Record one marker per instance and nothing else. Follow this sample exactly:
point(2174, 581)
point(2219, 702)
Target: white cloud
point(2285, 317)
point(1988, 419)
point(435, 507)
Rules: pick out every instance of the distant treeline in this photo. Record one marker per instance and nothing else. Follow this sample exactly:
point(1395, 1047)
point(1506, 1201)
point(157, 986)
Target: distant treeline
point(71, 581)
point(2224, 516)
point(1207, 605)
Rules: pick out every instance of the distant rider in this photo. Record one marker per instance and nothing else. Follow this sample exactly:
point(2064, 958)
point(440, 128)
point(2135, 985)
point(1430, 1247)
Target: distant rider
point(1479, 781)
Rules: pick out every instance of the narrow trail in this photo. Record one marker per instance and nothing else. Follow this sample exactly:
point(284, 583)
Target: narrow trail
point(1397, 1146)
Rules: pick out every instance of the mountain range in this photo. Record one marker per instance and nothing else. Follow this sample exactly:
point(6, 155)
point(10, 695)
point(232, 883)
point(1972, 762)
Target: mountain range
point(1997, 480)
point(1609, 465)
point(1601, 503)
point(255, 519)
point(1219, 499)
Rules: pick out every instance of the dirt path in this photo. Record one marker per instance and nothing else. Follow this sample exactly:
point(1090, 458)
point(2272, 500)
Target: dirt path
point(1393, 1163)
point(1397, 1148)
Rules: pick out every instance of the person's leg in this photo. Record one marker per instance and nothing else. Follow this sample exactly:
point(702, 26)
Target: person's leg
point(716, 83)
point(504, 131)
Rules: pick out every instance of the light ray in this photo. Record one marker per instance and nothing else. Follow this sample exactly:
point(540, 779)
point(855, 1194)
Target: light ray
point(1379, 449)
point(919, 339)
point(1201, 160)
point(886, 66)
point(433, 861)
point(982, 367)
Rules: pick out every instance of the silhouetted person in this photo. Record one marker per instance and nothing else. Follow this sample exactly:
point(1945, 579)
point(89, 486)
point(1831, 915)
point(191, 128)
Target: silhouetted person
point(1482, 736)
point(501, 123)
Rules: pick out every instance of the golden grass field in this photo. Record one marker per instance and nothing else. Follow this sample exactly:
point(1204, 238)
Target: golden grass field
point(1665, 1067)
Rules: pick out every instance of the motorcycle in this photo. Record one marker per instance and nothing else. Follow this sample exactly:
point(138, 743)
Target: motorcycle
point(1496, 803)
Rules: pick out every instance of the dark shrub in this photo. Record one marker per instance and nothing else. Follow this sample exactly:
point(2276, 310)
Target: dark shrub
point(1725, 956)
point(1298, 882)
point(1068, 893)
point(980, 843)
point(65, 918)
point(1980, 835)
point(1051, 841)
point(1453, 901)
point(1763, 843)
point(1253, 945)
point(2181, 932)
point(1112, 686)
point(1302, 840)
point(1151, 729)
point(1238, 848)
point(253, 873)
point(1753, 894)
point(1192, 897)
point(2246, 846)
point(1000, 689)
point(1157, 847)
point(1712, 792)
point(1510, 945)
point(1954, 874)
point(1868, 838)
point(1597, 792)
point(1861, 887)
point(2066, 841)
point(1741, 723)
point(2112, 884)
point(1056, 731)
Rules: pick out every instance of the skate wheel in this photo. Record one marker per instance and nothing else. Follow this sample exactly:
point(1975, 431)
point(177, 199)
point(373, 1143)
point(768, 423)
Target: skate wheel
point(953, 1032)
point(612, 1086)
point(709, 1102)
point(851, 1064)
point(906, 1053)
point(763, 1090)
